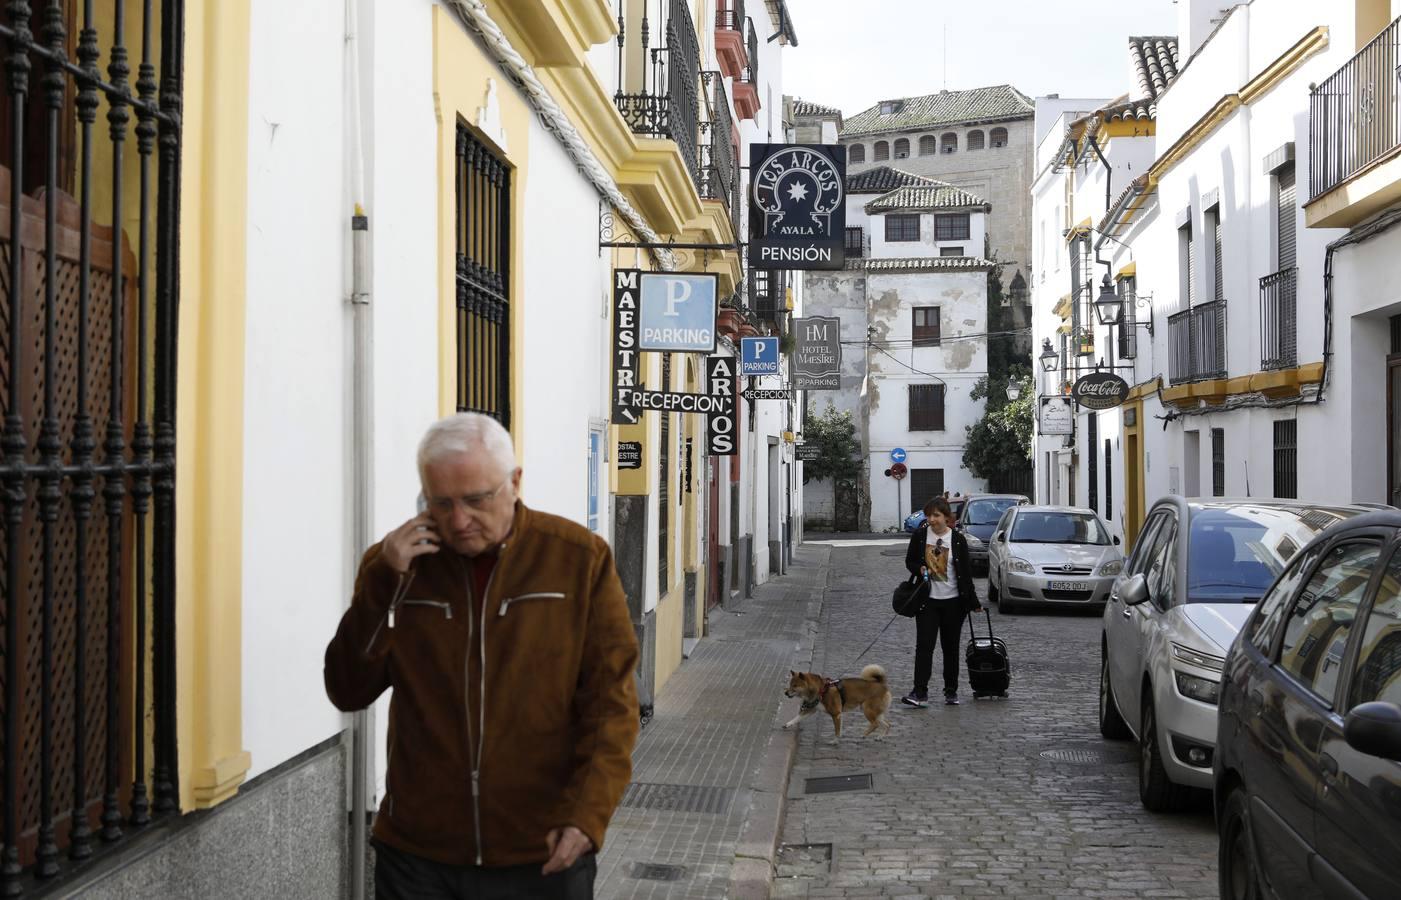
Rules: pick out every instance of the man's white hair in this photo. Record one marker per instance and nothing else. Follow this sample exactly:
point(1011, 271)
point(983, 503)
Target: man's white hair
point(466, 433)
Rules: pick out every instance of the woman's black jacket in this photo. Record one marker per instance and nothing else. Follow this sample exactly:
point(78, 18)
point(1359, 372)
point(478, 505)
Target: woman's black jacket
point(962, 563)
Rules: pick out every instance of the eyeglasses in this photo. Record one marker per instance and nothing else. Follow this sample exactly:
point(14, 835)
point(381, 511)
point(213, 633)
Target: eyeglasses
point(474, 502)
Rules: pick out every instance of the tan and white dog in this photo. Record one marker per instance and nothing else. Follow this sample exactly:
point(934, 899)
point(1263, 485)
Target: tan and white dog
point(836, 696)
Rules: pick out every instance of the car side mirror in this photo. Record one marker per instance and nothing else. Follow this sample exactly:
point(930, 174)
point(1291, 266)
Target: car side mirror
point(1116, 540)
point(1134, 590)
point(1374, 729)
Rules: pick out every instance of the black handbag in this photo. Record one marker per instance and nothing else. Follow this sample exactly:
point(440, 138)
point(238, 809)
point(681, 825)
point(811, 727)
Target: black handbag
point(909, 597)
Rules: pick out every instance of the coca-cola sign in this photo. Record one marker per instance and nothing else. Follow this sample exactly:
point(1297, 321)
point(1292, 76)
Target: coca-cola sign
point(1100, 390)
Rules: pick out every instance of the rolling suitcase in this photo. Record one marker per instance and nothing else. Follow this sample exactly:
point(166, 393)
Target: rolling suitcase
point(989, 672)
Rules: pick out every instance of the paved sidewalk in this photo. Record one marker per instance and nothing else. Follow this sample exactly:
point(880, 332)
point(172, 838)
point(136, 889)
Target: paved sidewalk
point(711, 768)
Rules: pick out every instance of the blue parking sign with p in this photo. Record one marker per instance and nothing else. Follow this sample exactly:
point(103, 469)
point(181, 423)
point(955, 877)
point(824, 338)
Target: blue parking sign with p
point(758, 356)
point(677, 312)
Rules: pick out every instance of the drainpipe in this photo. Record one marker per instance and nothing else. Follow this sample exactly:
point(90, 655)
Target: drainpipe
point(361, 438)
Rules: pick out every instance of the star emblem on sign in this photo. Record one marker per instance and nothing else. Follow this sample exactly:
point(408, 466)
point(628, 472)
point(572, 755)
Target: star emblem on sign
point(797, 192)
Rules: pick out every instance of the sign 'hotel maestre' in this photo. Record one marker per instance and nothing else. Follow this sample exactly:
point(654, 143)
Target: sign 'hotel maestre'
point(797, 213)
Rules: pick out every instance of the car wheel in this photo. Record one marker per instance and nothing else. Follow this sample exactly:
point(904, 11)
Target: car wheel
point(994, 595)
point(1111, 723)
point(1155, 789)
point(1236, 870)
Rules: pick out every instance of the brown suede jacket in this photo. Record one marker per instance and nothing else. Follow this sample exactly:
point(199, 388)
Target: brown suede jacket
point(552, 745)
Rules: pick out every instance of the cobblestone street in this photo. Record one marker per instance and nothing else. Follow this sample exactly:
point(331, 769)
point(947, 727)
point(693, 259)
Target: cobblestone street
point(965, 801)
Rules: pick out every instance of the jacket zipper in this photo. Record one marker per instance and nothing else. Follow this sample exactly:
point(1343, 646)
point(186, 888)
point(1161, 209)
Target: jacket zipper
point(400, 589)
point(538, 595)
point(476, 756)
point(440, 604)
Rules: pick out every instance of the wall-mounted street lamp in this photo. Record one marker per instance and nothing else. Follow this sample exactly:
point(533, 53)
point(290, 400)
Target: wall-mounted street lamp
point(1014, 390)
point(1048, 356)
point(1110, 306)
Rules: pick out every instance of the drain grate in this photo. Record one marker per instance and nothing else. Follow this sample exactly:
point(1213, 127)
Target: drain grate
point(1087, 757)
point(678, 797)
point(657, 872)
point(835, 783)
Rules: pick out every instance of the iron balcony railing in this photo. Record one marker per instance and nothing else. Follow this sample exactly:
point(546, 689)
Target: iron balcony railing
point(766, 291)
point(1355, 115)
point(1197, 343)
point(719, 172)
point(1279, 320)
point(730, 15)
point(667, 105)
point(750, 75)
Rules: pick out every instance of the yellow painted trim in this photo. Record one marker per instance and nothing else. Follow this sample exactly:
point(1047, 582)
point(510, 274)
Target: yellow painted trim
point(1062, 307)
point(554, 32)
point(1081, 228)
point(1126, 128)
point(669, 612)
point(209, 414)
point(1311, 373)
point(1210, 391)
point(1194, 136)
point(1367, 192)
point(1143, 389)
point(1284, 382)
point(460, 73)
point(1064, 328)
point(1238, 385)
point(1177, 394)
point(1128, 271)
point(1315, 41)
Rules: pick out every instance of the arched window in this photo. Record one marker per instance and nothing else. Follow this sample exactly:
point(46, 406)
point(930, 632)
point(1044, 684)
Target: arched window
point(998, 137)
point(857, 154)
point(902, 149)
point(928, 145)
point(948, 142)
point(975, 140)
point(882, 151)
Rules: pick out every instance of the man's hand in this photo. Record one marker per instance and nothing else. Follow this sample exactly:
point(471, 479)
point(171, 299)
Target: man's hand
point(409, 541)
point(566, 845)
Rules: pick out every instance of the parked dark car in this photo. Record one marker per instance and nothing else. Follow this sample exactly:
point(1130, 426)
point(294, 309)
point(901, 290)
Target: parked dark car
point(978, 521)
point(1308, 761)
point(915, 520)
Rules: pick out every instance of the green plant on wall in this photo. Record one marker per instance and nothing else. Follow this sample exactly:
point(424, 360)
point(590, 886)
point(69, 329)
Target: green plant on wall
point(1001, 440)
point(834, 433)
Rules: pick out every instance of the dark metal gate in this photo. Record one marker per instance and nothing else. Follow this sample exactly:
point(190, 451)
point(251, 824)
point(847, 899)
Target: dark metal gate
point(847, 506)
point(87, 382)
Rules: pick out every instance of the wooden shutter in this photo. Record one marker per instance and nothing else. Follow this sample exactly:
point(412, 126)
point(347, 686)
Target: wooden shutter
point(1285, 212)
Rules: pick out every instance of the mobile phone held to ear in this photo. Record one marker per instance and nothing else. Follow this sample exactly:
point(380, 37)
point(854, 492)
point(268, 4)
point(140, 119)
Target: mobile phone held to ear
point(422, 503)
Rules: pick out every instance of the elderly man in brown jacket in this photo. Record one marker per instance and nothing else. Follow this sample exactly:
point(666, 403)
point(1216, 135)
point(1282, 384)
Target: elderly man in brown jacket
point(506, 637)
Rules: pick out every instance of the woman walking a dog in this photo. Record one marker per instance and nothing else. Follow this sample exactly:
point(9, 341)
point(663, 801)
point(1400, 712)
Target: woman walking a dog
point(940, 554)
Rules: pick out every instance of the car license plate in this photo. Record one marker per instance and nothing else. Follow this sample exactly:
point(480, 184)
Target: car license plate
point(1068, 586)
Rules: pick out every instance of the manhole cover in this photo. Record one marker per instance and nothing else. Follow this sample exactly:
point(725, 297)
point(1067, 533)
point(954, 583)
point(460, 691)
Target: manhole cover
point(657, 872)
point(835, 783)
point(1086, 757)
point(678, 797)
point(802, 860)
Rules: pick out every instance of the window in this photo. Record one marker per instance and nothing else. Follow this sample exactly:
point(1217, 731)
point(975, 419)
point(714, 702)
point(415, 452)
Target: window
point(1218, 462)
point(891, 107)
point(925, 485)
point(1315, 634)
point(928, 145)
point(975, 140)
point(882, 151)
point(948, 142)
point(1285, 215)
point(1128, 332)
point(1213, 226)
point(1144, 549)
point(663, 486)
point(926, 326)
point(951, 251)
point(926, 407)
point(1108, 484)
point(988, 512)
point(483, 280)
point(1057, 528)
point(901, 228)
point(902, 149)
point(857, 153)
point(1161, 573)
point(1092, 436)
point(1287, 458)
point(998, 137)
point(1264, 622)
point(1186, 265)
point(1378, 674)
point(855, 242)
point(951, 227)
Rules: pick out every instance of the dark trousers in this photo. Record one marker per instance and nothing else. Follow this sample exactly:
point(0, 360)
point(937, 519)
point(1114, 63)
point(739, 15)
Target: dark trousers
point(404, 876)
point(940, 620)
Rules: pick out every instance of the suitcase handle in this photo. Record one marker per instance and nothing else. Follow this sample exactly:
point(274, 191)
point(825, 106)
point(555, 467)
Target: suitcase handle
point(973, 634)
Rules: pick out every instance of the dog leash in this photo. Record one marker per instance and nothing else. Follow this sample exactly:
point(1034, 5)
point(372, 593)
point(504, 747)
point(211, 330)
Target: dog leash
point(883, 631)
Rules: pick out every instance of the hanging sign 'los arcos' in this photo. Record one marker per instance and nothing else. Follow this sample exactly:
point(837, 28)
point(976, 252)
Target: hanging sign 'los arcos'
point(797, 213)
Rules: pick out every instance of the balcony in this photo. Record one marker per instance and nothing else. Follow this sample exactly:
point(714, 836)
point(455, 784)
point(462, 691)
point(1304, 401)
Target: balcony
point(858, 245)
point(1279, 320)
point(667, 102)
point(730, 48)
point(1197, 343)
point(767, 294)
point(1355, 136)
point(747, 84)
point(719, 170)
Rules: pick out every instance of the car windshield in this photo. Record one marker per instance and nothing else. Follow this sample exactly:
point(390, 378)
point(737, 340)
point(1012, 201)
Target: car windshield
point(1234, 554)
point(987, 512)
point(1057, 528)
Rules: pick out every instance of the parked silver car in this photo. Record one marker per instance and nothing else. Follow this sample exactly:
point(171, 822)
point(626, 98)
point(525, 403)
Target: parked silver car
point(1052, 555)
point(1196, 571)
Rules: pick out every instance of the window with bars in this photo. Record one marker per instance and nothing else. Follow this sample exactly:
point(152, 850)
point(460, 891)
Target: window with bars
point(1286, 453)
point(1078, 249)
point(664, 486)
point(902, 228)
point(483, 279)
point(928, 145)
point(975, 140)
point(1285, 218)
point(926, 326)
point(1128, 332)
point(1218, 462)
point(998, 137)
point(925, 485)
point(926, 407)
point(1108, 483)
point(882, 151)
point(857, 154)
point(902, 148)
point(951, 227)
point(1092, 435)
point(855, 242)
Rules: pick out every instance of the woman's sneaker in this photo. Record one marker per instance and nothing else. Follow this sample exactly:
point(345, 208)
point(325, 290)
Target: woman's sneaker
point(950, 699)
point(911, 699)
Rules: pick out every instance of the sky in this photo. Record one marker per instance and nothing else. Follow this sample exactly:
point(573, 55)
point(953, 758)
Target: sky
point(854, 53)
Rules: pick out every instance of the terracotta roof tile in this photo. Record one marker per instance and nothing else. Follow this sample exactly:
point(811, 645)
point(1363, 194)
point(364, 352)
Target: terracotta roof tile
point(987, 104)
point(921, 264)
point(883, 180)
point(937, 195)
point(1155, 62)
point(808, 109)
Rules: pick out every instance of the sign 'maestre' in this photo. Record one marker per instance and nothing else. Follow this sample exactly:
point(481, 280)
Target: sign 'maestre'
point(625, 291)
point(797, 212)
point(1100, 390)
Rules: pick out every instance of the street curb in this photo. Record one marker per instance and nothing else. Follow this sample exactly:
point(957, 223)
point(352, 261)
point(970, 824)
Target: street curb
point(752, 874)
